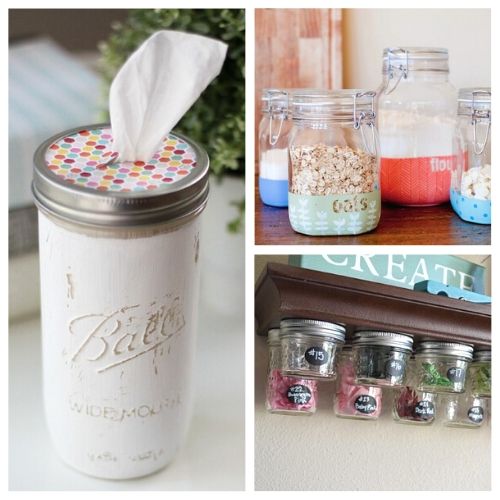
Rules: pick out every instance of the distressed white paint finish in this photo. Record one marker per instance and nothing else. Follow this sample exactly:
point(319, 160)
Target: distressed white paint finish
point(119, 321)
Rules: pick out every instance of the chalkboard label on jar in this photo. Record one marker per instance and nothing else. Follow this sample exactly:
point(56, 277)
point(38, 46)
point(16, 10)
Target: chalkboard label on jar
point(316, 356)
point(394, 368)
point(476, 414)
point(424, 410)
point(298, 394)
point(365, 404)
point(456, 374)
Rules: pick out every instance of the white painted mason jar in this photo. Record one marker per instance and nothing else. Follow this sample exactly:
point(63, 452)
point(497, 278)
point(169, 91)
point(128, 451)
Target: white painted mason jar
point(119, 245)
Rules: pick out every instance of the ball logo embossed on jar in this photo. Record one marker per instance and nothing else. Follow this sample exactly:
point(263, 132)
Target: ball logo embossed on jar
point(316, 356)
point(424, 410)
point(298, 394)
point(365, 404)
point(456, 374)
point(475, 414)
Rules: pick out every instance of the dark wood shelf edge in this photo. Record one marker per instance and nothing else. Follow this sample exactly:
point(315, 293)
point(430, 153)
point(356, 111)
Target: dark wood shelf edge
point(284, 291)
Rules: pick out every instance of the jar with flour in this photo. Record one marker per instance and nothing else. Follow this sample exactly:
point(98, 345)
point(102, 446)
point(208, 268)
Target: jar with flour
point(470, 193)
point(119, 246)
point(273, 148)
point(416, 122)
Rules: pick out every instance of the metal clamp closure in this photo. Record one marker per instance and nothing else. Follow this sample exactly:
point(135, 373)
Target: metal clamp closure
point(399, 72)
point(478, 115)
point(366, 118)
point(280, 112)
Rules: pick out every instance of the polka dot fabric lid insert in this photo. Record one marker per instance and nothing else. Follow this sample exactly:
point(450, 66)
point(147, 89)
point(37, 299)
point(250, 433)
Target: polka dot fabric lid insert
point(86, 158)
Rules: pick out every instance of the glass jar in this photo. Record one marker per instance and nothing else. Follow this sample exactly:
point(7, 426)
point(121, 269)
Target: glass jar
point(416, 122)
point(466, 409)
point(353, 400)
point(274, 129)
point(411, 405)
point(120, 276)
point(480, 374)
point(287, 395)
point(442, 366)
point(309, 347)
point(470, 193)
point(334, 163)
point(381, 358)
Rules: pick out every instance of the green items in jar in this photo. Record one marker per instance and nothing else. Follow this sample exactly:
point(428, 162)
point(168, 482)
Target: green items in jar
point(480, 374)
point(442, 366)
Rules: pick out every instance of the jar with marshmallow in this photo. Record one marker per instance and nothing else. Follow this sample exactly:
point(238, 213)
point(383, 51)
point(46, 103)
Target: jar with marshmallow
point(273, 148)
point(470, 191)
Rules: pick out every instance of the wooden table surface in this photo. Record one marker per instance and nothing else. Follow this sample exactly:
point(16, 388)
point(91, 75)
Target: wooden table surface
point(398, 226)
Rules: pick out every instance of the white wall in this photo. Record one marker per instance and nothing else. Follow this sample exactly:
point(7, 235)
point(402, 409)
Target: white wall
point(466, 33)
point(323, 452)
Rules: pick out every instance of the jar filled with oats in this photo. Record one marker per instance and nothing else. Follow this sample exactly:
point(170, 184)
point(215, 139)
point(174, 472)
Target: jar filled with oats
point(334, 163)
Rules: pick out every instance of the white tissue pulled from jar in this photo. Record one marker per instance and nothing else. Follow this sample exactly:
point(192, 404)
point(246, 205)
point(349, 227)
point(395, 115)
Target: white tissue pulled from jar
point(404, 134)
point(476, 182)
point(274, 164)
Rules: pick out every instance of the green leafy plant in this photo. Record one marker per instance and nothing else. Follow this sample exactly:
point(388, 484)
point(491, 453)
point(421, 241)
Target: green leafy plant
point(433, 377)
point(217, 119)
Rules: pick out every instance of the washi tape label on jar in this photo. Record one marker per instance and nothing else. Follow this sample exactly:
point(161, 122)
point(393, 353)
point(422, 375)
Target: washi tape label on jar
point(424, 410)
point(416, 181)
point(298, 394)
point(316, 356)
point(475, 414)
point(394, 367)
point(456, 374)
point(365, 404)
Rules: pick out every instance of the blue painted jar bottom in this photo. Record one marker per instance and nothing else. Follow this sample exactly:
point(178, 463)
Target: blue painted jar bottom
point(274, 192)
point(471, 209)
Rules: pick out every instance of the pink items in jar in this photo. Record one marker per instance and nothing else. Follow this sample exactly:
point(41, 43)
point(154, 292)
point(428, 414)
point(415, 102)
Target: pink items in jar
point(287, 394)
point(353, 400)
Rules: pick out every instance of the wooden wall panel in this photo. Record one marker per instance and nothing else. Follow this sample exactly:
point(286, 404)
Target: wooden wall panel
point(297, 48)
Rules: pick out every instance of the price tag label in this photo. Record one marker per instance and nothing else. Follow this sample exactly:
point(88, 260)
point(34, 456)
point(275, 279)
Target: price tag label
point(456, 374)
point(424, 410)
point(394, 367)
point(316, 356)
point(476, 414)
point(298, 394)
point(365, 404)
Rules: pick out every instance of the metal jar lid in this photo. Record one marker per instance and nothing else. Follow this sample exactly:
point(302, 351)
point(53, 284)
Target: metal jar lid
point(482, 355)
point(176, 196)
point(382, 338)
point(304, 327)
point(446, 348)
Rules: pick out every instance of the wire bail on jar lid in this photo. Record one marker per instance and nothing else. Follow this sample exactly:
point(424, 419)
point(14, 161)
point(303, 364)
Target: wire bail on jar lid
point(399, 61)
point(356, 106)
point(464, 351)
point(302, 327)
point(400, 341)
point(476, 103)
point(275, 103)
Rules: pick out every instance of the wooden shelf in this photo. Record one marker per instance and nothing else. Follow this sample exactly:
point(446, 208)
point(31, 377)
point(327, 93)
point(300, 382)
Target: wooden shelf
point(398, 226)
point(284, 291)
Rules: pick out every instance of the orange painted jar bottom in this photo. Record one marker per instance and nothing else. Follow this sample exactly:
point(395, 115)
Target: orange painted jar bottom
point(421, 181)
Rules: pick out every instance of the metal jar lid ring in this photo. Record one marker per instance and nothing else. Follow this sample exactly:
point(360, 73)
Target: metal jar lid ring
point(446, 348)
point(299, 326)
point(383, 338)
